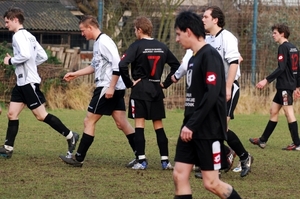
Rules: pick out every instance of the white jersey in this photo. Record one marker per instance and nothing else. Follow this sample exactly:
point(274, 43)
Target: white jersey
point(227, 46)
point(106, 60)
point(28, 53)
point(181, 71)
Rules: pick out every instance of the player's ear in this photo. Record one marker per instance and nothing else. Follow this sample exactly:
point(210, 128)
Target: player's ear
point(189, 32)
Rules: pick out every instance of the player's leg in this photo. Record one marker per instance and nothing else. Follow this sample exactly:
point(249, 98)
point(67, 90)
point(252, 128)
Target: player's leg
point(98, 106)
point(14, 110)
point(212, 156)
point(232, 139)
point(274, 112)
point(184, 161)
point(122, 123)
point(162, 142)
point(292, 122)
point(138, 111)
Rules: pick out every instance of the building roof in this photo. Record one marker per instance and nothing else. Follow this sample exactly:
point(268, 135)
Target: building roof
point(43, 15)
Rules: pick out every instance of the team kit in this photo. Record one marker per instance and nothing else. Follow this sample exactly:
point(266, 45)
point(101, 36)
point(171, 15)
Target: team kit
point(211, 66)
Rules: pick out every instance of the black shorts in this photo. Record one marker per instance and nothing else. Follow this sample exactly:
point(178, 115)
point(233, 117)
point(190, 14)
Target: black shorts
point(29, 94)
point(207, 154)
point(102, 106)
point(235, 95)
point(284, 97)
point(146, 109)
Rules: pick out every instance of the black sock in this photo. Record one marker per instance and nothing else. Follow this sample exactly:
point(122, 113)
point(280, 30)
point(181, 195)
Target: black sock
point(227, 149)
point(162, 142)
point(11, 133)
point(84, 145)
point(268, 131)
point(188, 196)
point(234, 195)
point(130, 138)
point(56, 124)
point(235, 143)
point(293, 127)
point(140, 142)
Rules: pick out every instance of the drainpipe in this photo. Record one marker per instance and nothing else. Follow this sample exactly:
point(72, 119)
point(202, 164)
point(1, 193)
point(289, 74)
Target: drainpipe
point(253, 60)
point(100, 13)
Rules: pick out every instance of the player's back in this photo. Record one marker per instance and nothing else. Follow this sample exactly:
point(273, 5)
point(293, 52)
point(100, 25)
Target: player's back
point(151, 58)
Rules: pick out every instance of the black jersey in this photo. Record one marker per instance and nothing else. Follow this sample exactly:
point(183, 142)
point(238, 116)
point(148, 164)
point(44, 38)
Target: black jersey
point(205, 105)
point(287, 72)
point(147, 58)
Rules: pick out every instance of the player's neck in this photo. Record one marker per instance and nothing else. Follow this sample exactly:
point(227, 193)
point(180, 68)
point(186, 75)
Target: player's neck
point(198, 45)
point(18, 28)
point(215, 30)
point(281, 41)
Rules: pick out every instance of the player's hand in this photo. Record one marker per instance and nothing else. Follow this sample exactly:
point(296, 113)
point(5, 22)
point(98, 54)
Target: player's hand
point(228, 94)
point(109, 92)
point(135, 82)
point(0, 110)
point(186, 134)
point(6, 59)
point(297, 94)
point(69, 76)
point(174, 80)
point(261, 84)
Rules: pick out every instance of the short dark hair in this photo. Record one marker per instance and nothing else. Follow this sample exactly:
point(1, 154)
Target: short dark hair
point(282, 28)
point(89, 20)
point(15, 12)
point(188, 19)
point(217, 13)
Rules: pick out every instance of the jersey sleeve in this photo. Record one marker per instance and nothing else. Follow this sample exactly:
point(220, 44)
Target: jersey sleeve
point(282, 61)
point(41, 55)
point(110, 49)
point(231, 52)
point(181, 71)
point(174, 64)
point(127, 58)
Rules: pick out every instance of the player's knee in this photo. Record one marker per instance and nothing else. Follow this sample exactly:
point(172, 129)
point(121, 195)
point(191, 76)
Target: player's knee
point(211, 185)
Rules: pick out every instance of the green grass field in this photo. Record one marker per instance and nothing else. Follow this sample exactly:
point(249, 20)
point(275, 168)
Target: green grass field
point(35, 171)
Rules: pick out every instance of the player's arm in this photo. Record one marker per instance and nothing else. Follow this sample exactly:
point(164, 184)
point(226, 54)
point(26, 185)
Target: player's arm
point(115, 59)
point(232, 56)
point(174, 64)
point(127, 59)
point(233, 67)
point(282, 61)
point(23, 47)
point(181, 71)
point(85, 71)
point(41, 55)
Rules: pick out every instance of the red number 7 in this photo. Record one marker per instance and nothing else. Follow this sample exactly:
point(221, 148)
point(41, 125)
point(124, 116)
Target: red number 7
point(156, 58)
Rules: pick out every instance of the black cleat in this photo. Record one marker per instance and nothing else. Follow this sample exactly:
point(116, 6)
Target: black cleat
point(246, 165)
point(5, 153)
point(72, 142)
point(71, 161)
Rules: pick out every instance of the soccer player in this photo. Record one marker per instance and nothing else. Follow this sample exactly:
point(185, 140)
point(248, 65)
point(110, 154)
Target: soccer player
point(108, 98)
point(227, 46)
point(28, 53)
point(287, 77)
point(147, 57)
point(201, 140)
